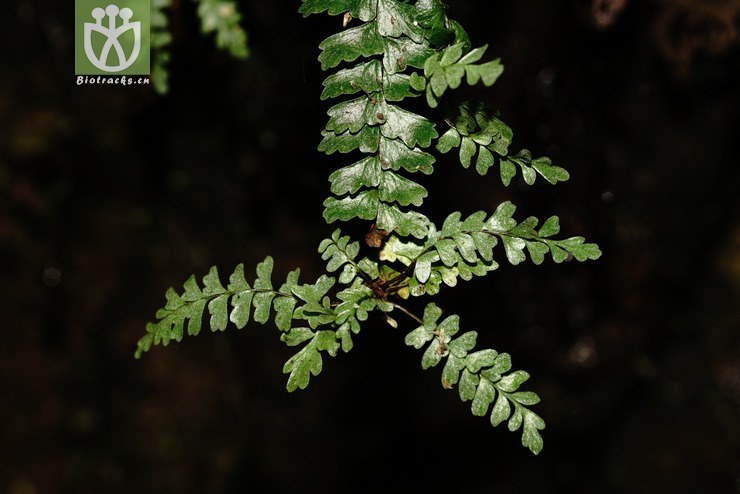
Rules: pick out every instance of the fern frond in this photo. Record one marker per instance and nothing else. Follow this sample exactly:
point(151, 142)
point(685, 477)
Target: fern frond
point(481, 137)
point(464, 248)
point(480, 376)
point(373, 188)
point(344, 318)
point(390, 51)
point(185, 311)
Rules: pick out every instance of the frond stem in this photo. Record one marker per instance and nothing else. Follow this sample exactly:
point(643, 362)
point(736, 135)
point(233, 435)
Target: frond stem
point(408, 313)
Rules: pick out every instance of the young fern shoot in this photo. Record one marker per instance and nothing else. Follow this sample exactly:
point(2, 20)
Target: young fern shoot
point(389, 51)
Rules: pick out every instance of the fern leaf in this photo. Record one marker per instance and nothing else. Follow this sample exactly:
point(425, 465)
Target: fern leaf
point(347, 46)
point(481, 138)
point(371, 188)
point(364, 173)
point(398, 50)
point(364, 77)
point(339, 252)
point(366, 141)
point(360, 9)
point(396, 155)
point(401, 53)
point(354, 114)
point(411, 128)
point(242, 298)
point(363, 206)
point(397, 18)
point(401, 190)
point(357, 301)
point(405, 223)
point(482, 377)
point(446, 70)
point(185, 312)
point(285, 306)
point(308, 361)
point(464, 248)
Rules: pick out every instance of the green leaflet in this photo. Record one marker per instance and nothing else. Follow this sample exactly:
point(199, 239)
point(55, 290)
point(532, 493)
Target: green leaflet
point(308, 362)
point(360, 9)
point(364, 206)
point(396, 19)
point(367, 173)
point(543, 166)
point(412, 129)
point(446, 70)
point(366, 141)
point(340, 252)
point(402, 53)
point(367, 78)
point(432, 18)
point(348, 180)
point(395, 188)
point(404, 223)
point(317, 309)
point(355, 114)
point(482, 377)
point(395, 122)
point(349, 45)
point(223, 18)
point(394, 154)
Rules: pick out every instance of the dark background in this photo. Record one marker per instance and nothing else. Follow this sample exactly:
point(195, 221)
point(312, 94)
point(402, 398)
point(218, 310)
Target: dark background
point(109, 195)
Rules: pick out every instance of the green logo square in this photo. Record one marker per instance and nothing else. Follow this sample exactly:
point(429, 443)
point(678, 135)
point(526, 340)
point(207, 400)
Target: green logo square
point(112, 37)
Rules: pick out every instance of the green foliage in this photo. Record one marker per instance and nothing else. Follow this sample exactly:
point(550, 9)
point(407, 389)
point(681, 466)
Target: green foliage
point(161, 38)
point(246, 301)
point(446, 69)
point(463, 248)
point(390, 52)
point(480, 376)
point(481, 138)
point(221, 17)
point(392, 40)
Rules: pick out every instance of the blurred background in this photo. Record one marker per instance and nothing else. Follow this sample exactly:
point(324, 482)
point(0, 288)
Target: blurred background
point(109, 195)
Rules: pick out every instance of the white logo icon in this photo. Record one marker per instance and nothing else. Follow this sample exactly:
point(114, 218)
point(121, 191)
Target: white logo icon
point(112, 33)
